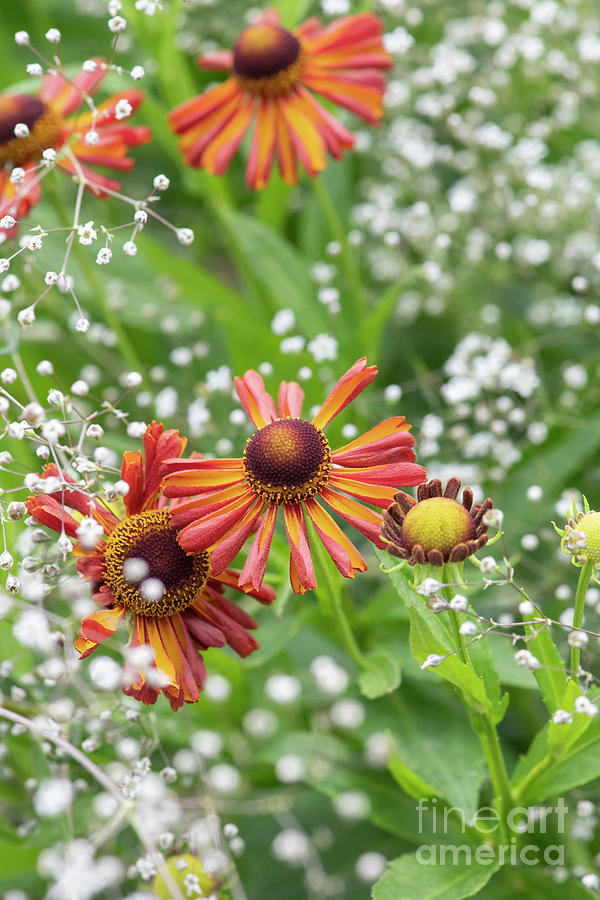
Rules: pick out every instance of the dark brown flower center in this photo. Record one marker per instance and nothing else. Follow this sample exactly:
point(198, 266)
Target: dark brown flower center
point(43, 122)
point(267, 59)
point(287, 461)
point(164, 557)
point(142, 554)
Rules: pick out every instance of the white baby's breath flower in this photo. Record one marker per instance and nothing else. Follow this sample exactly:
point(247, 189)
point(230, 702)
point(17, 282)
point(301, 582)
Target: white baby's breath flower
point(161, 183)
point(123, 109)
point(17, 176)
point(117, 24)
point(104, 256)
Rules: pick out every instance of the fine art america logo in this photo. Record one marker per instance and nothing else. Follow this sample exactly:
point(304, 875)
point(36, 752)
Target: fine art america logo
point(511, 846)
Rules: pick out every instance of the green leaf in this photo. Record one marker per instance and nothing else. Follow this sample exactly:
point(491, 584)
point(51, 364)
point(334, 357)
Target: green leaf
point(275, 633)
point(551, 681)
point(423, 643)
point(407, 878)
point(532, 883)
point(576, 765)
point(392, 810)
point(281, 272)
point(553, 740)
point(409, 781)
point(382, 676)
point(434, 741)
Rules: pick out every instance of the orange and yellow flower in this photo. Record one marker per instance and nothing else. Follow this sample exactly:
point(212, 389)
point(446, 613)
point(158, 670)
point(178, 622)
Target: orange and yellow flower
point(288, 463)
point(189, 612)
point(45, 115)
point(274, 76)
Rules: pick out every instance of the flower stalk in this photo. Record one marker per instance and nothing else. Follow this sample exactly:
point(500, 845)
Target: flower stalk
point(585, 575)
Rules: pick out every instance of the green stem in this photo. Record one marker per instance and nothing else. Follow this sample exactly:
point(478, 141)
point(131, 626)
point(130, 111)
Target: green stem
point(347, 634)
point(455, 620)
point(485, 728)
point(585, 575)
point(503, 799)
point(348, 258)
point(331, 593)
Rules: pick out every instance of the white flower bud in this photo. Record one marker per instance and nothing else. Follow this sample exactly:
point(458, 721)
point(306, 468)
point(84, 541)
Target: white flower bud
point(526, 608)
point(468, 628)
point(137, 73)
point(34, 69)
point(493, 518)
point(434, 659)
point(8, 376)
point(117, 24)
point(89, 65)
point(459, 603)
point(526, 659)
point(82, 324)
point(80, 388)
point(130, 248)
point(53, 35)
point(141, 217)
point(577, 639)
point(21, 38)
point(49, 155)
point(7, 222)
point(21, 130)
point(16, 431)
point(429, 586)
point(33, 413)
point(17, 176)
point(488, 565)
point(6, 561)
point(44, 367)
point(16, 510)
point(95, 432)
point(64, 544)
point(585, 706)
point(91, 138)
point(26, 317)
point(185, 236)
point(562, 717)
point(13, 585)
point(55, 397)
point(161, 183)
point(132, 379)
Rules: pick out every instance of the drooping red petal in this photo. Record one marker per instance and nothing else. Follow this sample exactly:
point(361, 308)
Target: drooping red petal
point(295, 527)
point(253, 573)
point(357, 515)
point(96, 627)
point(50, 513)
